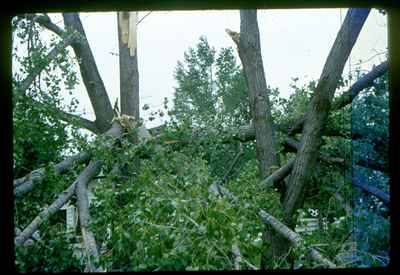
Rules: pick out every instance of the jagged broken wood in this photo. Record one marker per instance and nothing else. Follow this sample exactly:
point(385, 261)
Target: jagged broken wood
point(294, 238)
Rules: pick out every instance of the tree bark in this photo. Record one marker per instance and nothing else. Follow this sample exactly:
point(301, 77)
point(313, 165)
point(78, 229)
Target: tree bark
point(248, 43)
point(90, 74)
point(319, 110)
point(84, 218)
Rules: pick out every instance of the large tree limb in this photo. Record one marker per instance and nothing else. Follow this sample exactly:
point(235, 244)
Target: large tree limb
point(84, 218)
point(319, 109)
point(294, 238)
point(85, 176)
point(90, 75)
point(346, 98)
point(361, 183)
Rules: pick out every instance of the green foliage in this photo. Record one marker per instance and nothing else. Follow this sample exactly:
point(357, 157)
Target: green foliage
point(163, 216)
point(211, 90)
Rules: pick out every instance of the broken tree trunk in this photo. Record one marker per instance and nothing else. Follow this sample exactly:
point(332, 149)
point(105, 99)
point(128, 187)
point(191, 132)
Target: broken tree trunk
point(319, 110)
point(293, 237)
point(129, 73)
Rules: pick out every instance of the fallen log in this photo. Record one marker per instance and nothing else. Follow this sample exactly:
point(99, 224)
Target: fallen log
point(294, 238)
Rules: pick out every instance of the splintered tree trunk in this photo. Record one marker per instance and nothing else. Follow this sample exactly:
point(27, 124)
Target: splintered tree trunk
point(129, 73)
point(319, 109)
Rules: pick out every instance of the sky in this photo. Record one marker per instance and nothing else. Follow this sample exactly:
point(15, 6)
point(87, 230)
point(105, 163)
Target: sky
point(294, 43)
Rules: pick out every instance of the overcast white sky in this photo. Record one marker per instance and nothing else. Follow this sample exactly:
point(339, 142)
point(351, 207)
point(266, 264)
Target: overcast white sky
point(295, 43)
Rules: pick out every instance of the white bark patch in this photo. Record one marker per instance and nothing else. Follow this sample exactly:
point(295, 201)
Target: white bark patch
point(128, 25)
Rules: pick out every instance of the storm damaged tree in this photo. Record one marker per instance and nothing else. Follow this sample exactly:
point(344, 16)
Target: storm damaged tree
point(115, 129)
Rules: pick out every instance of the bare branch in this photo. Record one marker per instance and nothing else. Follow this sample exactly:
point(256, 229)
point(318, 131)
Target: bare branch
point(294, 238)
point(278, 175)
point(27, 183)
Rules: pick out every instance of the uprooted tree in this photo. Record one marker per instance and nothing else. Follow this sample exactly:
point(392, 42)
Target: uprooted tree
point(146, 175)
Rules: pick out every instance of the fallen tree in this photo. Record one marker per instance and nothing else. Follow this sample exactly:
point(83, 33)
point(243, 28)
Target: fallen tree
point(294, 238)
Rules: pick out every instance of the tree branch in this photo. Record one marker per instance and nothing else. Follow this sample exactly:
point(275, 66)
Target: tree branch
point(27, 183)
point(90, 75)
point(84, 218)
point(278, 175)
point(45, 215)
point(361, 183)
point(346, 98)
point(294, 238)
point(24, 84)
point(45, 21)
